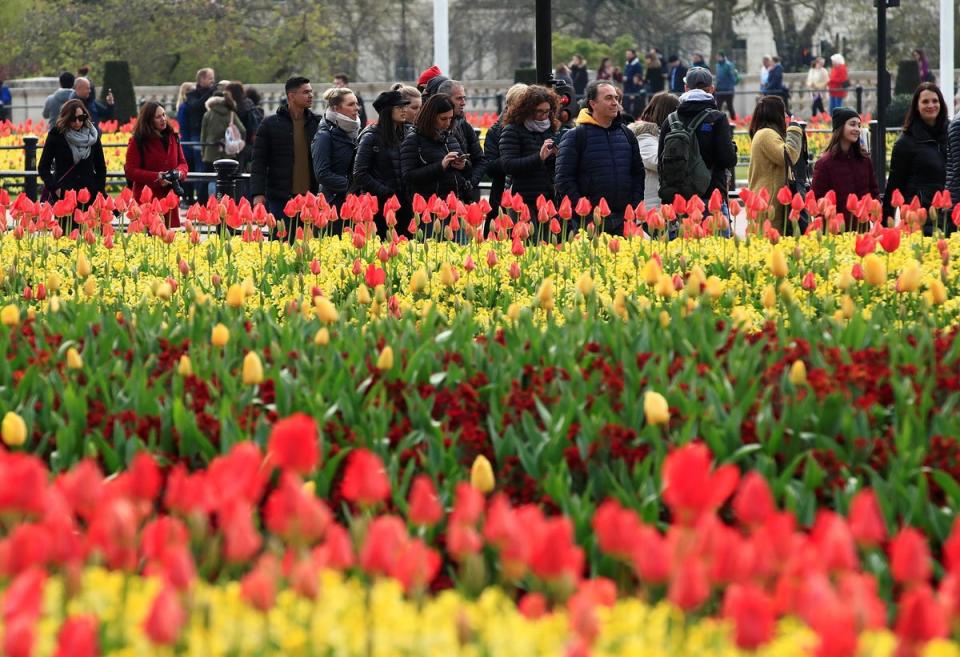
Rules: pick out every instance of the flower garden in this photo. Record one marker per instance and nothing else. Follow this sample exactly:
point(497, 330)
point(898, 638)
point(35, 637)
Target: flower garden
point(219, 444)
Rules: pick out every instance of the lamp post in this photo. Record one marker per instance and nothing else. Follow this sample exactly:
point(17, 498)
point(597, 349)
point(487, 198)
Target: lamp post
point(441, 35)
point(544, 42)
point(946, 53)
point(883, 92)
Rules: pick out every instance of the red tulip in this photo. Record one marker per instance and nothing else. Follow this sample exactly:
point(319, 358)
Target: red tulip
point(866, 521)
point(416, 565)
point(920, 617)
point(365, 480)
point(951, 549)
point(241, 539)
point(556, 555)
point(651, 556)
point(837, 631)
point(583, 206)
point(145, 477)
point(374, 276)
point(865, 244)
point(689, 587)
point(890, 239)
point(24, 596)
point(784, 195)
point(896, 199)
point(19, 636)
point(385, 537)
point(809, 281)
point(753, 503)
point(166, 618)
point(532, 606)
point(565, 210)
point(419, 204)
point(603, 208)
point(424, 507)
point(295, 514)
point(616, 529)
point(293, 444)
point(910, 557)
point(751, 611)
point(78, 637)
point(258, 588)
point(834, 542)
point(690, 488)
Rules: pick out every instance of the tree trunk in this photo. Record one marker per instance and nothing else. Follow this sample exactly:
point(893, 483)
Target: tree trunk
point(722, 35)
point(790, 39)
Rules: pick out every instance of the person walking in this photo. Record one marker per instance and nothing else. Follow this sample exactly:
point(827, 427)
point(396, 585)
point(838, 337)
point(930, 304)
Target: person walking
point(923, 66)
point(528, 145)
point(774, 149)
point(654, 80)
point(918, 164)
point(154, 155)
point(6, 101)
point(72, 157)
point(775, 84)
point(647, 130)
point(845, 167)
point(818, 78)
point(466, 135)
point(491, 150)
point(431, 158)
point(578, 74)
point(196, 108)
point(376, 169)
point(53, 103)
point(250, 117)
point(838, 81)
point(282, 167)
point(335, 144)
point(698, 113)
point(600, 159)
point(183, 127)
point(605, 70)
point(677, 73)
point(727, 80)
point(632, 82)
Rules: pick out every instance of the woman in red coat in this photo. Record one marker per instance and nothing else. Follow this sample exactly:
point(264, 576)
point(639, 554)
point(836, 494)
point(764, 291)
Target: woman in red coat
point(154, 150)
point(845, 168)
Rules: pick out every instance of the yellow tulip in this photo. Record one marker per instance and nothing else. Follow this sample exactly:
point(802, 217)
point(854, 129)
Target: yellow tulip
point(910, 277)
point(938, 292)
point(418, 281)
point(620, 304)
point(545, 294)
point(585, 284)
point(664, 319)
point(695, 281)
point(786, 292)
point(90, 286)
point(481, 474)
point(326, 312)
point(714, 287)
point(798, 373)
point(655, 408)
point(845, 280)
point(53, 282)
point(385, 360)
point(446, 275)
point(740, 317)
point(769, 297)
point(847, 306)
point(83, 266)
point(778, 263)
point(74, 360)
point(651, 272)
point(235, 296)
point(363, 295)
point(185, 368)
point(164, 291)
point(513, 312)
point(13, 429)
point(874, 271)
point(322, 338)
point(54, 305)
point(10, 315)
point(248, 288)
point(665, 286)
point(252, 369)
point(220, 335)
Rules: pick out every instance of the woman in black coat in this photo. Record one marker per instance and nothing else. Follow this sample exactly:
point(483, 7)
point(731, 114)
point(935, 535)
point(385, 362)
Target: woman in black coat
point(430, 156)
point(918, 165)
point(376, 169)
point(335, 144)
point(528, 148)
point(72, 156)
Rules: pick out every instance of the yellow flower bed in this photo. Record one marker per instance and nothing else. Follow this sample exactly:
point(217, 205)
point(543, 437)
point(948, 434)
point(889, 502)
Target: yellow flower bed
point(347, 620)
point(13, 159)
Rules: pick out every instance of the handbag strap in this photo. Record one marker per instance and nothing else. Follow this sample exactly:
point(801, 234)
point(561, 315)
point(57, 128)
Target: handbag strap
point(66, 173)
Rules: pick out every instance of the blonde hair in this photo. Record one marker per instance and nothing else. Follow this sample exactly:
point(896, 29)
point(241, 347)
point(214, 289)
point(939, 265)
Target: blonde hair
point(407, 91)
point(334, 96)
point(514, 92)
point(204, 72)
point(185, 88)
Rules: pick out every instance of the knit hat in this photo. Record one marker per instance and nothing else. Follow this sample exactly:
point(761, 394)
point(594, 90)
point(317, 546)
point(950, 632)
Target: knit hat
point(388, 100)
point(428, 75)
point(841, 115)
point(433, 85)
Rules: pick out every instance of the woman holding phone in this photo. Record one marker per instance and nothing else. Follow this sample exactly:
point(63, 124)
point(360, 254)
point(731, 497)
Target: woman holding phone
point(430, 157)
point(528, 144)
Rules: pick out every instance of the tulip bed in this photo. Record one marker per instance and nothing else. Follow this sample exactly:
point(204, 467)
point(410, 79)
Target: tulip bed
point(224, 445)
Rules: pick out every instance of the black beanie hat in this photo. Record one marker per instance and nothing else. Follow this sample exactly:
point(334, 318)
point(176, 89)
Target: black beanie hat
point(843, 114)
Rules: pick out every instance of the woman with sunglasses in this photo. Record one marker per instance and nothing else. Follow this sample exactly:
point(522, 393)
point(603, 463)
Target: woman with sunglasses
point(72, 155)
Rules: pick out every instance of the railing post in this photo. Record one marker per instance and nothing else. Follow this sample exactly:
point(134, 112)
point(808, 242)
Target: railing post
point(30, 164)
point(500, 102)
point(226, 177)
point(859, 92)
point(878, 152)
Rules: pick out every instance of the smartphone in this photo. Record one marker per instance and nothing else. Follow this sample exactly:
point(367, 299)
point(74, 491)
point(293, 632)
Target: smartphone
point(462, 157)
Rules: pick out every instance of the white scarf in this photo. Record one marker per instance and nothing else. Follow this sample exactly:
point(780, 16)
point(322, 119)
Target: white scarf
point(345, 123)
point(81, 141)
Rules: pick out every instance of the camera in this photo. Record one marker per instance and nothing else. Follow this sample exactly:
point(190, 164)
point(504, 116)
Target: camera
point(173, 177)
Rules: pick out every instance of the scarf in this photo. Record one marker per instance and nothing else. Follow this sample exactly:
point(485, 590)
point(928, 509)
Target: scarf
point(345, 123)
point(537, 126)
point(80, 141)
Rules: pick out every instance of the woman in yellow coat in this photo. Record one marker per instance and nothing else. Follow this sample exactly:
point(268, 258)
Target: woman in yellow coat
point(771, 138)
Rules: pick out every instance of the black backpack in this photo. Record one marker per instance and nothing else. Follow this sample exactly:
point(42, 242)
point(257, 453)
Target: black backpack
point(681, 168)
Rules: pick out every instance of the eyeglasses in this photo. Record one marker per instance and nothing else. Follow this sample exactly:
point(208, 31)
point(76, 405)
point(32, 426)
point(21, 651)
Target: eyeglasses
point(78, 117)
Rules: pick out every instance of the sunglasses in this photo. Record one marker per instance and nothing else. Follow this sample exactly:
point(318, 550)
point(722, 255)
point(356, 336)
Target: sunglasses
point(78, 117)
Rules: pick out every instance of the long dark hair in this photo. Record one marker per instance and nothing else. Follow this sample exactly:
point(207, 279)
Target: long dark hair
point(144, 129)
point(833, 146)
point(234, 90)
point(389, 132)
point(659, 108)
point(914, 113)
point(436, 105)
point(526, 105)
point(770, 112)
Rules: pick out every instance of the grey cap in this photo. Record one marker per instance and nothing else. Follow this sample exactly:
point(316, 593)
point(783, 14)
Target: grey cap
point(698, 78)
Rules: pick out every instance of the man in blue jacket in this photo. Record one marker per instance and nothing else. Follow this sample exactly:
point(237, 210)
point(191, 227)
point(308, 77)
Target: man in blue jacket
point(600, 158)
point(632, 83)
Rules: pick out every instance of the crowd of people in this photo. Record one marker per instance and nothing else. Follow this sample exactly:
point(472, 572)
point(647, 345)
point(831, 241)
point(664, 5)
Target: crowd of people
point(544, 144)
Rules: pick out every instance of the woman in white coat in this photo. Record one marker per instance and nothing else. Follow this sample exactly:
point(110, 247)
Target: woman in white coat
point(647, 130)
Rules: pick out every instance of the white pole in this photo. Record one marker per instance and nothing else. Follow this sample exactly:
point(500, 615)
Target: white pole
point(946, 53)
point(441, 35)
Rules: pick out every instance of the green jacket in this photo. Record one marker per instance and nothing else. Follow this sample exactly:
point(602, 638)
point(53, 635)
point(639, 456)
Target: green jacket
point(215, 122)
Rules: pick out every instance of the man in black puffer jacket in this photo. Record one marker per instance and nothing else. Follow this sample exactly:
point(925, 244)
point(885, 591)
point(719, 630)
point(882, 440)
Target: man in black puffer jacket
point(600, 158)
point(953, 161)
point(282, 167)
point(714, 134)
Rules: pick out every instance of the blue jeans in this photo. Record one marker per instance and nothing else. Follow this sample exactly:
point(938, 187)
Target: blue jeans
point(835, 103)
